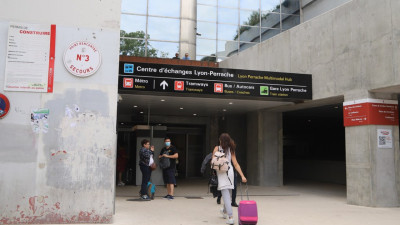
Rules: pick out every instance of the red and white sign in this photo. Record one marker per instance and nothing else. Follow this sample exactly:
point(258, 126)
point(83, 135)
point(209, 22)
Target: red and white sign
point(179, 85)
point(218, 87)
point(82, 59)
point(30, 57)
point(128, 82)
point(4, 105)
point(370, 111)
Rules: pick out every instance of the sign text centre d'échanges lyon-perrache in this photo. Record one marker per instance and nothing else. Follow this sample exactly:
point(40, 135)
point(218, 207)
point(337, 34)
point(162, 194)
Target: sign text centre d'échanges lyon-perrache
point(203, 80)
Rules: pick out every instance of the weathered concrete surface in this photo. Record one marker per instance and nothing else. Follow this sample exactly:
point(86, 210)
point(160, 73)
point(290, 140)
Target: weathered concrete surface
point(64, 175)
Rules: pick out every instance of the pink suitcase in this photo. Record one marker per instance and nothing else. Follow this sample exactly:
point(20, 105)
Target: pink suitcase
point(247, 211)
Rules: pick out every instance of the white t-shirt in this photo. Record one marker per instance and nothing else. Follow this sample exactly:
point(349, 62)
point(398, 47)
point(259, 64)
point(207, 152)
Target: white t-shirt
point(151, 160)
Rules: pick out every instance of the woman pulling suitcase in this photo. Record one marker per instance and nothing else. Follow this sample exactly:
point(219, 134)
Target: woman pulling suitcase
point(226, 178)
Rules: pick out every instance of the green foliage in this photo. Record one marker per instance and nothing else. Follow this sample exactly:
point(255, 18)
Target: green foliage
point(253, 20)
point(137, 47)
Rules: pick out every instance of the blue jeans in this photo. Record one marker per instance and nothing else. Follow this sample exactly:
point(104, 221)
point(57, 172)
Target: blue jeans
point(146, 174)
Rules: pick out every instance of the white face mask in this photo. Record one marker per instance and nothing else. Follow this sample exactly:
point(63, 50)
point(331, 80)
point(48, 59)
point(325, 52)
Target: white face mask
point(167, 143)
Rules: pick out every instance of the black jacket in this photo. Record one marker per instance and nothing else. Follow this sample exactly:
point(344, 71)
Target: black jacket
point(144, 156)
point(206, 160)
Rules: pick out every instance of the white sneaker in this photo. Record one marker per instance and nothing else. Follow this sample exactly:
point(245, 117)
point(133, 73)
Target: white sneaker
point(121, 184)
point(230, 221)
point(224, 215)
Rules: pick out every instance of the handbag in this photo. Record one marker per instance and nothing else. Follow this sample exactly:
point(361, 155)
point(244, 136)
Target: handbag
point(153, 166)
point(213, 179)
point(213, 183)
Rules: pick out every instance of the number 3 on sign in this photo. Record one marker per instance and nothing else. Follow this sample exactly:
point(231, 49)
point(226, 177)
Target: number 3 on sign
point(79, 57)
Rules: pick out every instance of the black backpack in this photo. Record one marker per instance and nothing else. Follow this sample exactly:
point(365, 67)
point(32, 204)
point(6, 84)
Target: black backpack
point(164, 163)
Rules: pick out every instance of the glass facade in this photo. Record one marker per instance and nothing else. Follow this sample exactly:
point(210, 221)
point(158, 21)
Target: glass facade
point(239, 25)
point(148, 29)
point(151, 28)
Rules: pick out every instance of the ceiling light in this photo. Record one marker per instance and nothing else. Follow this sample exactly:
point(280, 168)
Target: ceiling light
point(141, 112)
point(122, 123)
point(230, 103)
point(135, 106)
point(194, 114)
point(181, 108)
point(224, 110)
point(163, 100)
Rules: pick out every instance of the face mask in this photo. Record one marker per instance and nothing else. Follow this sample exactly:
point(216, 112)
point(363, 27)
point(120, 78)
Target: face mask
point(167, 144)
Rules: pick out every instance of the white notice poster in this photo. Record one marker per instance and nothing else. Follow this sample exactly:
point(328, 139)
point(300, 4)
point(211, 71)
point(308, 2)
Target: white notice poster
point(30, 58)
point(385, 139)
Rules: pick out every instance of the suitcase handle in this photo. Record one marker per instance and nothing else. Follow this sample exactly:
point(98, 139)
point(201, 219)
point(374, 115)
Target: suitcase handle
point(241, 191)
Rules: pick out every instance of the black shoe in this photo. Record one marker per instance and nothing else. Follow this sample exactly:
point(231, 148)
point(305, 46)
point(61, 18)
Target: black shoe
point(145, 198)
point(218, 201)
point(234, 204)
point(166, 197)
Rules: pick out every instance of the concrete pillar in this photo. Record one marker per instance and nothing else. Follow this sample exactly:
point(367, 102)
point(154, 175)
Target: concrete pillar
point(372, 173)
point(235, 126)
point(213, 134)
point(188, 28)
point(264, 148)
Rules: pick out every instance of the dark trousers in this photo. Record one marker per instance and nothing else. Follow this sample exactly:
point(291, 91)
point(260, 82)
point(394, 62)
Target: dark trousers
point(146, 174)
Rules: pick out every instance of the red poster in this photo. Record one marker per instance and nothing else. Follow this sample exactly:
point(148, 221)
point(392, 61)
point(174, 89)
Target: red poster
point(370, 112)
point(52, 58)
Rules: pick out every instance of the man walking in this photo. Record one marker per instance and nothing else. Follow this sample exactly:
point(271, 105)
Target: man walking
point(170, 153)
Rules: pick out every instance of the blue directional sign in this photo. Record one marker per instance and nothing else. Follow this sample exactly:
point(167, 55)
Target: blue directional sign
point(128, 68)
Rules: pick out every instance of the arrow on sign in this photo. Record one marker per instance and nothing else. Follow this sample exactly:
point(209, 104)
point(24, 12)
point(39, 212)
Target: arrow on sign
point(164, 84)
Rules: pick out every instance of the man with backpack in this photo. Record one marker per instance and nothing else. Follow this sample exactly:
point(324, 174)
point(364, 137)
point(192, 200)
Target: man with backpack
point(168, 154)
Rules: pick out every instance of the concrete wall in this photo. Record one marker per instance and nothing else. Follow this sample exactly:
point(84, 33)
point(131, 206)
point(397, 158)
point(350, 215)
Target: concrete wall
point(353, 47)
point(66, 175)
point(313, 8)
point(351, 51)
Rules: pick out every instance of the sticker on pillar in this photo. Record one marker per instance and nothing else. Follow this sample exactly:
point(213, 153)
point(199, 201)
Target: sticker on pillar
point(385, 138)
point(4, 106)
point(39, 120)
point(264, 90)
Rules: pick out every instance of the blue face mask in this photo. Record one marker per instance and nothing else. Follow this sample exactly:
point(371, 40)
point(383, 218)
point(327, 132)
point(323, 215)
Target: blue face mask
point(167, 144)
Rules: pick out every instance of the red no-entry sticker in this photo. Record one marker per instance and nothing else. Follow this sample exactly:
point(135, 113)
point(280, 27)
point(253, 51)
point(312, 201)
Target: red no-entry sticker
point(4, 105)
